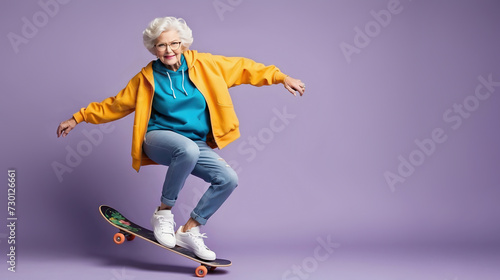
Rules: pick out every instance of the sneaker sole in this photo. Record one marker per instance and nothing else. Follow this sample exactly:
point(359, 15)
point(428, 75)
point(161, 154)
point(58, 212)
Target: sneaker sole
point(186, 246)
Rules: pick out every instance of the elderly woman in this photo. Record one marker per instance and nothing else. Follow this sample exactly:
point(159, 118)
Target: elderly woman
point(183, 111)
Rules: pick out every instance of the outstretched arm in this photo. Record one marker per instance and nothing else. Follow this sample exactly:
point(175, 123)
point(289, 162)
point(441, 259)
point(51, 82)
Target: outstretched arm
point(110, 109)
point(239, 70)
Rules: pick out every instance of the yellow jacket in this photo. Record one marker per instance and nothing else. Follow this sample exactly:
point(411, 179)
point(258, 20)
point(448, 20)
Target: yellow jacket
point(211, 74)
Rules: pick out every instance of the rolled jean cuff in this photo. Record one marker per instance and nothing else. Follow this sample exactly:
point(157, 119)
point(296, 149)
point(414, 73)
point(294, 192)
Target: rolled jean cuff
point(168, 202)
point(199, 219)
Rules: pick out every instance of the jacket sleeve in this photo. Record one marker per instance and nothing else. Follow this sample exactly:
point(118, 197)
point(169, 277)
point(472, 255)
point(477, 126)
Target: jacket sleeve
point(240, 70)
point(111, 108)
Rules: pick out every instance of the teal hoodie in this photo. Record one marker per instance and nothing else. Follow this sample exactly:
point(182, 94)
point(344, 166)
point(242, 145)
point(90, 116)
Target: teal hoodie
point(177, 104)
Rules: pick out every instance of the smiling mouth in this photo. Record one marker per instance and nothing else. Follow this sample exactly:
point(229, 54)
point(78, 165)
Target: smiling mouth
point(169, 56)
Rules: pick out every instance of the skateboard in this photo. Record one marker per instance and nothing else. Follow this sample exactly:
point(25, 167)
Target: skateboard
point(129, 230)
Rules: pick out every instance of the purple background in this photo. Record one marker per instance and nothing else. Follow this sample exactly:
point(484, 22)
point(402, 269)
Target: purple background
point(321, 175)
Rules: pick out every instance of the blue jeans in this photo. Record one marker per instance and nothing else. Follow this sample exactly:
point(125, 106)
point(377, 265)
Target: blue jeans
point(184, 156)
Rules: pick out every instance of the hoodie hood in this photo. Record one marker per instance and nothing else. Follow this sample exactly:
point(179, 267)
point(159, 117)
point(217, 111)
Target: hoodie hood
point(160, 68)
point(190, 57)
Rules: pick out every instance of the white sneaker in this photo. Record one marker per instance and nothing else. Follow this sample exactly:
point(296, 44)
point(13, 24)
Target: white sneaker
point(163, 227)
point(193, 240)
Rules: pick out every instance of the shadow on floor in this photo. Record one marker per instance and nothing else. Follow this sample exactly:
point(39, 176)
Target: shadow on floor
point(111, 260)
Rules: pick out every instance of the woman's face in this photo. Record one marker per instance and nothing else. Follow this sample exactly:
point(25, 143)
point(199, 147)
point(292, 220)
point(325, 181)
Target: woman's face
point(166, 51)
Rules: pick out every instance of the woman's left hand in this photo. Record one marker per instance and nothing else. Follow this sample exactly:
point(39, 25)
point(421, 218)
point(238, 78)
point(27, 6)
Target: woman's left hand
point(293, 85)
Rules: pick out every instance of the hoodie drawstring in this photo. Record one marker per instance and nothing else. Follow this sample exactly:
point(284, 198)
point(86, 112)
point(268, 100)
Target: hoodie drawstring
point(170, 79)
point(185, 92)
point(171, 85)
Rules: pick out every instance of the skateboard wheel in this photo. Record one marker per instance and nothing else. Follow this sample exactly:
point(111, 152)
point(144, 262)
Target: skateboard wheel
point(130, 237)
point(119, 238)
point(201, 271)
point(212, 268)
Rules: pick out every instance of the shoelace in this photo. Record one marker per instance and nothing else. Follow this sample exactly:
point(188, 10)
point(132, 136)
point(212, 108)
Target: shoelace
point(166, 225)
point(198, 239)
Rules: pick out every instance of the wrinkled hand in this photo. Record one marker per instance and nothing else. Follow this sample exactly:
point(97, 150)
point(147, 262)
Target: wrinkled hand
point(293, 85)
point(65, 127)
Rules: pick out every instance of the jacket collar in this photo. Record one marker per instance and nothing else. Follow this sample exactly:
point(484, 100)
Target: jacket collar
point(147, 71)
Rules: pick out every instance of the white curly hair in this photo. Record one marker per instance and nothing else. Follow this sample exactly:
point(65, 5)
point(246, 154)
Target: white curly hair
point(160, 25)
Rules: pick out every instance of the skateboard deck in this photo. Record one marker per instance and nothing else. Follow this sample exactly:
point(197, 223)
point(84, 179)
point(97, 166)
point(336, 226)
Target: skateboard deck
point(129, 230)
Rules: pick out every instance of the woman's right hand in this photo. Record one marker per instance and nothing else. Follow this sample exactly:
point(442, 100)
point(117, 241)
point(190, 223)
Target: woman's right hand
point(65, 127)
